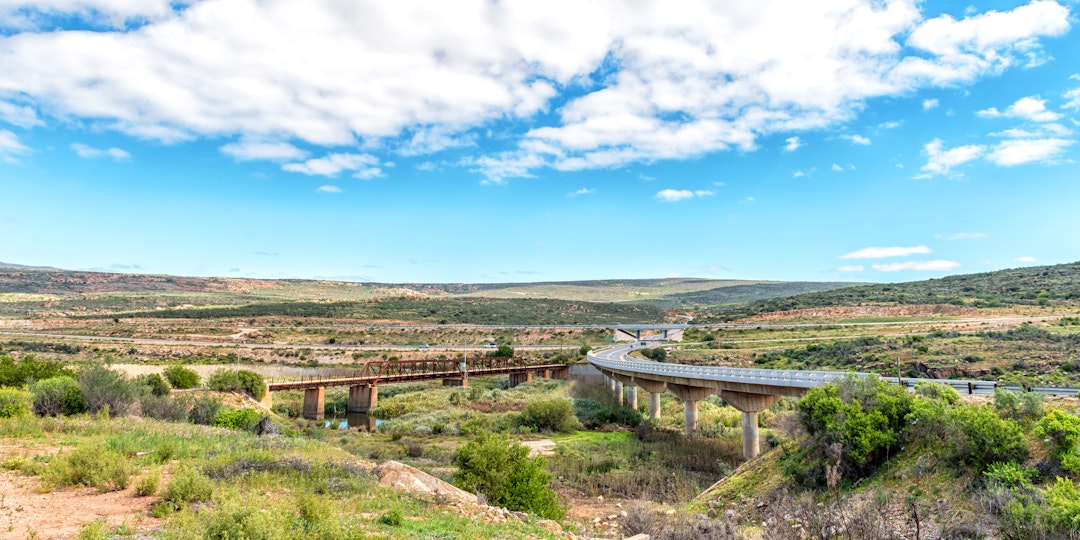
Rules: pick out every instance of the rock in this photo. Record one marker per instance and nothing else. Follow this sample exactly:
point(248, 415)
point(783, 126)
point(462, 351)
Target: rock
point(670, 512)
point(550, 525)
point(266, 427)
point(701, 517)
point(623, 513)
point(641, 536)
point(401, 476)
point(612, 517)
point(730, 515)
point(521, 515)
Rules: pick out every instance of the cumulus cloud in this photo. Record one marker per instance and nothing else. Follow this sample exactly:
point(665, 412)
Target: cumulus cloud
point(675, 195)
point(633, 82)
point(11, 145)
point(920, 266)
point(253, 150)
point(19, 115)
point(328, 188)
point(928, 104)
point(89, 152)
point(883, 252)
point(793, 144)
point(1028, 108)
point(365, 166)
point(852, 268)
point(1025, 259)
point(961, 236)
point(1020, 151)
point(857, 139)
point(836, 167)
point(580, 192)
point(942, 161)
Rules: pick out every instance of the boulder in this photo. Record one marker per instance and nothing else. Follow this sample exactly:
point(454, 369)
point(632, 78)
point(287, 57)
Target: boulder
point(401, 476)
point(266, 427)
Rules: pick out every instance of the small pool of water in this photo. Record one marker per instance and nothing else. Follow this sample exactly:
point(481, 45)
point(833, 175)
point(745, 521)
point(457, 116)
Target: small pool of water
point(361, 421)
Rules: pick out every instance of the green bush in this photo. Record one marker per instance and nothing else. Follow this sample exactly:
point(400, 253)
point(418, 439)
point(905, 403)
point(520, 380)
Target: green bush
point(240, 521)
point(1025, 408)
point(1064, 500)
point(29, 369)
point(204, 410)
point(502, 470)
point(1061, 430)
point(980, 437)
point(56, 396)
point(15, 403)
point(243, 380)
point(1010, 475)
point(148, 484)
point(392, 517)
point(658, 354)
point(163, 408)
point(551, 414)
point(89, 465)
point(252, 383)
point(154, 383)
point(242, 419)
point(181, 378)
point(937, 392)
point(103, 387)
point(188, 486)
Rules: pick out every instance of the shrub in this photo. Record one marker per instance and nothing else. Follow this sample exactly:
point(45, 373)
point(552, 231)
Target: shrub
point(223, 380)
point(1010, 475)
point(658, 354)
point(551, 414)
point(103, 387)
point(243, 380)
point(89, 465)
point(502, 470)
point(181, 378)
point(188, 486)
point(204, 410)
point(242, 419)
point(1024, 408)
point(154, 383)
point(981, 437)
point(1064, 499)
point(56, 396)
point(1062, 431)
point(163, 408)
point(148, 484)
point(15, 403)
point(252, 383)
point(240, 520)
point(29, 369)
point(392, 517)
point(937, 392)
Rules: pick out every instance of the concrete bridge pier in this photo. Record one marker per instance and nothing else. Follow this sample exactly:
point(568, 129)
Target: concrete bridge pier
point(690, 395)
point(519, 378)
point(362, 398)
point(750, 405)
point(610, 381)
point(619, 392)
point(631, 396)
point(458, 381)
point(315, 403)
point(654, 388)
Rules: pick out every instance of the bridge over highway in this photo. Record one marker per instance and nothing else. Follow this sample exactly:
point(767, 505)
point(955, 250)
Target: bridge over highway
point(748, 390)
point(364, 389)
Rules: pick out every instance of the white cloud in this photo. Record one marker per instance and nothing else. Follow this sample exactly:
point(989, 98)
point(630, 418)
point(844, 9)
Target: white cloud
point(942, 161)
point(19, 115)
point(10, 145)
point(883, 252)
point(89, 152)
point(580, 192)
point(364, 165)
point(857, 139)
point(928, 104)
point(1025, 259)
point(961, 236)
point(328, 188)
point(799, 174)
point(252, 150)
point(422, 77)
point(852, 268)
point(837, 167)
point(793, 144)
point(675, 195)
point(1028, 108)
point(1020, 151)
point(892, 124)
point(921, 266)
point(1074, 99)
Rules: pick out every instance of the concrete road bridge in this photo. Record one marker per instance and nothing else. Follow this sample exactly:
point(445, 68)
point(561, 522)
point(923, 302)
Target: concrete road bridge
point(748, 390)
point(364, 386)
point(650, 332)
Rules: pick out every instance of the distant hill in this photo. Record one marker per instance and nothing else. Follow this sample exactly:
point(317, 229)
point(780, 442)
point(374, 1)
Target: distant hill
point(10, 265)
point(1016, 286)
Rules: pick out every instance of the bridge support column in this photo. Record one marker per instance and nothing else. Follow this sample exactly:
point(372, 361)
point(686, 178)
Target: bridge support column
point(619, 393)
point(690, 395)
point(315, 403)
point(610, 382)
point(519, 378)
point(455, 382)
point(631, 394)
point(362, 398)
point(750, 405)
point(654, 388)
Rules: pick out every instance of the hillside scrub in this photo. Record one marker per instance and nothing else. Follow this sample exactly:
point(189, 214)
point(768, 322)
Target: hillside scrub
point(501, 469)
point(58, 395)
point(181, 377)
point(15, 403)
point(225, 380)
point(29, 369)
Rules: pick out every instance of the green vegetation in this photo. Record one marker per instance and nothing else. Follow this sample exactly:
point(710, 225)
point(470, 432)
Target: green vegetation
point(225, 380)
point(181, 377)
point(92, 465)
point(550, 415)
point(15, 403)
point(57, 395)
point(503, 472)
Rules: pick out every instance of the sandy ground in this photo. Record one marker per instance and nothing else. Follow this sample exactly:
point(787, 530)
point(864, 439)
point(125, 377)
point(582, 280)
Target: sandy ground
point(542, 447)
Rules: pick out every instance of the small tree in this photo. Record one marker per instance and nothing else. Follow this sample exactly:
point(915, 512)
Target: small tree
point(551, 414)
point(57, 395)
point(981, 437)
point(155, 384)
point(501, 469)
point(181, 378)
point(103, 387)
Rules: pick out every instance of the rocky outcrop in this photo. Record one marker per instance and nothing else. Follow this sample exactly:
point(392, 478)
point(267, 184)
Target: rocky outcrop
point(401, 476)
point(949, 372)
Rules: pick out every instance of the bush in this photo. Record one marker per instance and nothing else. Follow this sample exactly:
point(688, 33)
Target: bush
point(188, 486)
point(937, 392)
point(980, 437)
point(502, 470)
point(242, 419)
point(181, 378)
point(551, 414)
point(15, 403)
point(148, 484)
point(56, 396)
point(1024, 408)
point(103, 387)
point(243, 380)
point(392, 517)
point(1061, 430)
point(154, 383)
point(29, 369)
point(89, 465)
point(658, 354)
point(205, 410)
point(1010, 475)
point(163, 408)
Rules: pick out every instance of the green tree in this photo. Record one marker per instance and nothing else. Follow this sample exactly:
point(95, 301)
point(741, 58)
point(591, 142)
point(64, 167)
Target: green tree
point(1061, 430)
point(181, 378)
point(980, 437)
point(501, 469)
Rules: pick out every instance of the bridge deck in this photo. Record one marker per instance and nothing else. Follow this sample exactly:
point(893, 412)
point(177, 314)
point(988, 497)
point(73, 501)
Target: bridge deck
point(404, 375)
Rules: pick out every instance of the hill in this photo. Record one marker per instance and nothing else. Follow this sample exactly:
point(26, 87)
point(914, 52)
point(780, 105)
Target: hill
point(1037, 285)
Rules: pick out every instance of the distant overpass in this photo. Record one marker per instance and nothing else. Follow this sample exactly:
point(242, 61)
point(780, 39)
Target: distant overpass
point(660, 332)
point(748, 390)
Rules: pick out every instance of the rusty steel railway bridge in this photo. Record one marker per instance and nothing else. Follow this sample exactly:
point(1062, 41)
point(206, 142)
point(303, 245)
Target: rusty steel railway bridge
point(364, 389)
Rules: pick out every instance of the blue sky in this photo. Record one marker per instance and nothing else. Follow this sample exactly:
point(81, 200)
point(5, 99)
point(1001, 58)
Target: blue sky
point(524, 141)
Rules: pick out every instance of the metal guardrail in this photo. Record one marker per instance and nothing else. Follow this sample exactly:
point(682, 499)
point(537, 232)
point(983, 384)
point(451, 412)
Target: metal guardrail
point(767, 377)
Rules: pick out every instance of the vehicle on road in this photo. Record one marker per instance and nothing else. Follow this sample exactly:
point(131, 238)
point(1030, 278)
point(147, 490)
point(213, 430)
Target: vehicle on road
point(491, 345)
point(425, 346)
